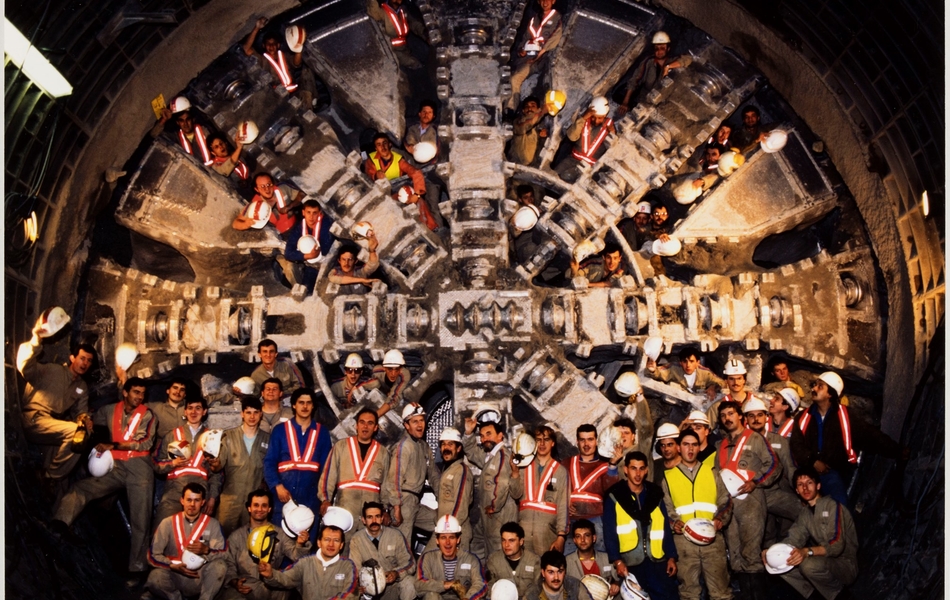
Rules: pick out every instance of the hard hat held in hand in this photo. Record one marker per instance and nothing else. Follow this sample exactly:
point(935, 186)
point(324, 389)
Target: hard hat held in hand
point(774, 141)
point(526, 218)
point(423, 152)
point(209, 442)
point(372, 578)
point(554, 101)
point(192, 561)
point(504, 589)
point(701, 532)
point(179, 104)
point(100, 463)
point(259, 211)
point(524, 449)
point(405, 192)
point(670, 247)
point(652, 347)
point(247, 132)
point(261, 543)
point(245, 386)
point(729, 163)
point(338, 516)
point(447, 524)
point(297, 518)
point(295, 36)
point(608, 440)
point(361, 230)
point(631, 589)
point(733, 481)
point(307, 244)
point(776, 559)
point(597, 586)
point(179, 449)
point(51, 321)
point(125, 355)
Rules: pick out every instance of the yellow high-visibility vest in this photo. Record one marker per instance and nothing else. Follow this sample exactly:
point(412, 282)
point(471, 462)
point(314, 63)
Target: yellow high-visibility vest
point(693, 499)
point(628, 532)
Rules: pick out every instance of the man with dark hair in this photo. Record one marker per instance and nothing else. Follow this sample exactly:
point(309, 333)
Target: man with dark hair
point(190, 530)
point(637, 528)
point(783, 406)
point(170, 412)
point(544, 486)
point(693, 489)
point(192, 137)
point(290, 74)
point(225, 161)
point(752, 131)
point(424, 130)
point(527, 132)
point(590, 478)
point(650, 69)
point(448, 572)
point(385, 163)
point(778, 367)
point(327, 574)
point(243, 579)
point(689, 374)
point(352, 276)
point(182, 461)
point(830, 561)
point(513, 561)
point(602, 271)
point(497, 497)
point(273, 412)
point(411, 464)
point(356, 468)
point(242, 460)
point(585, 559)
point(531, 56)
point(129, 428)
point(281, 199)
point(55, 407)
point(272, 365)
point(554, 582)
point(314, 224)
point(454, 485)
point(389, 549)
point(296, 455)
point(746, 455)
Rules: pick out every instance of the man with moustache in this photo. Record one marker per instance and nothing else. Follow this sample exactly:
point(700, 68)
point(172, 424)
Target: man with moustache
point(555, 584)
point(454, 489)
point(389, 548)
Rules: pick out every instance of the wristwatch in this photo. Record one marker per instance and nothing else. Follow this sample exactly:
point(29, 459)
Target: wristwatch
point(811, 552)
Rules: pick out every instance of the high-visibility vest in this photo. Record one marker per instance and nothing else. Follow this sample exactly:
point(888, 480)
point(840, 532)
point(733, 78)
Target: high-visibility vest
point(201, 140)
point(239, 167)
point(392, 169)
point(536, 37)
point(194, 466)
point(298, 461)
point(178, 524)
point(282, 71)
point(845, 430)
point(628, 532)
point(119, 436)
point(785, 430)
point(693, 499)
point(579, 489)
point(535, 486)
point(361, 467)
point(731, 460)
point(400, 23)
point(589, 147)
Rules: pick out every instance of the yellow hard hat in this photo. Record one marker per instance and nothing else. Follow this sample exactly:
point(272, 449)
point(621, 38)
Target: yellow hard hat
point(261, 543)
point(554, 101)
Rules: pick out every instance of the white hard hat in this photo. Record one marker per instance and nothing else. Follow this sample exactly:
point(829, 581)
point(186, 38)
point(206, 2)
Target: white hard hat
point(585, 249)
point(597, 586)
point(259, 211)
point(753, 404)
point(734, 367)
point(179, 104)
point(833, 380)
point(504, 589)
point(353, 361)
point(295, 36)
point(729, 163)
point(125, 355)
point(338, 517)
point(51, 321)
point(652, 346)
point(631, 589)
point(733, 481)
point(645, 208)
point(526, 217)
point(372, 578)
point(209, 442)
point(247, 132)
point(361, 230)
point(423, 152)
point(607, 441)
point(297, 518)
point(701, 532)
point(524, 449)
point(404, 193)
point(667, 431)
point(179, 448)
point(776, 559)
point(245, 385)
point(685, 192)
point(306, 244)
point(628, 384)
point(600, 106)
point(100, 463)
point(192, 561)
point(412, 410)
point(393, 358)
point(488, 415)
point(791, 397)
point(450, 434)
point(774, 141)
point(429, 501)
point(669, 248)
point(660, 37)
point(698, 416)
point(447, 524)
